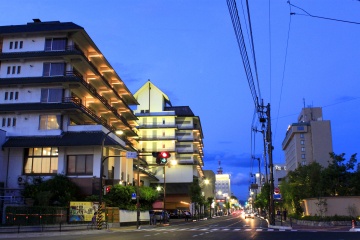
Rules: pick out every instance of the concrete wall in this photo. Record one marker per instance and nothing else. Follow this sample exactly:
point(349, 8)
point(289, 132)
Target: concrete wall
point(330, 206)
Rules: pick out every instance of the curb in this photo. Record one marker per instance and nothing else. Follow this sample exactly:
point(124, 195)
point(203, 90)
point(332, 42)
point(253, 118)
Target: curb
point(354, 230)
point(280, 227)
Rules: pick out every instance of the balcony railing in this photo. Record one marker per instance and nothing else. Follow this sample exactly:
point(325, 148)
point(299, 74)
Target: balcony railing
point(150, 137)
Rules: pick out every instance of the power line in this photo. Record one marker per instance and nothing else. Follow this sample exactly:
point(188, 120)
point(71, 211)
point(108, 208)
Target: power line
point(283, 73)
point(314, 16)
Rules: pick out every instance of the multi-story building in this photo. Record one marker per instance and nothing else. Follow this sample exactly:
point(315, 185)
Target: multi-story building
point(222, 187)
point(308, 140)
point(61, 103)
point(174, 129)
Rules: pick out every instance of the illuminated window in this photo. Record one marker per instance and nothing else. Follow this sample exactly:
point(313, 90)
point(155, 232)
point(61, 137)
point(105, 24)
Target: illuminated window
point(41, 160)
point(48, 122)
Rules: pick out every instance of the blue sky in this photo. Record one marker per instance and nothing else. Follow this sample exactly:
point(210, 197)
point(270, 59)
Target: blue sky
point(188, 49)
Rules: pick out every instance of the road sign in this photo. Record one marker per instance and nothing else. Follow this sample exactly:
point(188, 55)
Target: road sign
point(133, 196)
point(131, 154)
point(277, 196)
point(277, 190)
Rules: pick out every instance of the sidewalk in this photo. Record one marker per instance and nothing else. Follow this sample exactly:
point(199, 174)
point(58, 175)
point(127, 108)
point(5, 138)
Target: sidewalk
point(292, 225)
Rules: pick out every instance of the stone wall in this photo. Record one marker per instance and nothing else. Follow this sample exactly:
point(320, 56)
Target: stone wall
point(331, 206)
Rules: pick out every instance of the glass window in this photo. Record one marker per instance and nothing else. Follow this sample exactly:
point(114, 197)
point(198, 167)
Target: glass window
point(16, 95)
point(6, 95)
point(54, 69)
point(303, 149)
point(8, 70)
point(301, 135)
point(4, 122)
point(13, 69)
point(21, 44)
point(303, 156)
point(18, 69)
point(11, 95)
point(51, 95)
point(48, 122)
point(14, 122)
point(9, 122)
point(16, 45)
point(55, 44)
point(80, 165)
point(302, 142)
point(11, 45)
point(41, 160)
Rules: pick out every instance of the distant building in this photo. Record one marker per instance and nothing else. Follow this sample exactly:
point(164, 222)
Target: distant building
point(222, 185)
point(174, 129)
point(308, 140)
point(279, 173)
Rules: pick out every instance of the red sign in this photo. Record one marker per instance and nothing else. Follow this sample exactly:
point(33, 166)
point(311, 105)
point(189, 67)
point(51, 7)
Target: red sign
point(276, 190)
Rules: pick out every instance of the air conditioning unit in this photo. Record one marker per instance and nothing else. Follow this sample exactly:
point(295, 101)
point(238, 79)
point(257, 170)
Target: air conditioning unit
point(21, 179)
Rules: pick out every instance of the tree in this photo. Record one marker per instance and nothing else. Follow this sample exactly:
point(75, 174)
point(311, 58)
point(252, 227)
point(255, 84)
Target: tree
point(120, 196)
point(337, 179)
point(303, 182)
point(195, 193)
point(57, 191)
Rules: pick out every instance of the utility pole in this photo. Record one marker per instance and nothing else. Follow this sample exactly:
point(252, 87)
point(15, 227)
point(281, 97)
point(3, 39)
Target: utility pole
point(270, 149)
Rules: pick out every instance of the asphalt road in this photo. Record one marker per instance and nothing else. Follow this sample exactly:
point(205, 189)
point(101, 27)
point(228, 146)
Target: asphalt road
point(222, 228)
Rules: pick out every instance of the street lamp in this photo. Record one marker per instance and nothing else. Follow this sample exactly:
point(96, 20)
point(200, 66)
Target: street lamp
point(99, 212)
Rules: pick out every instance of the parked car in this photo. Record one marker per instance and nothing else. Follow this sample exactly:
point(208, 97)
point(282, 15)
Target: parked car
point(249, 215)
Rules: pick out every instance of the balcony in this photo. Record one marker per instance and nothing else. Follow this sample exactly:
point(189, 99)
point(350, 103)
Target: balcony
point(156, 125)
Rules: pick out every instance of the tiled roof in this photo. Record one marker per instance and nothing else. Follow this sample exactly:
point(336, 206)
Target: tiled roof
point(64, 140)
point(180, 110)
point(40, 27)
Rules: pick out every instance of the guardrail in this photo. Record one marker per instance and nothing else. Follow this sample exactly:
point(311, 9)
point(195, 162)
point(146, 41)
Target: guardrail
point(61, 227)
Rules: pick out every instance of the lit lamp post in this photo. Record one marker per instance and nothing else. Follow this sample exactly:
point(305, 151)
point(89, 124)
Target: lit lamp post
point(102, 158)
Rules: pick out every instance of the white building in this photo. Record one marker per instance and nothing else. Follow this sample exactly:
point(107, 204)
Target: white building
point(174, 129)
point(60, 99)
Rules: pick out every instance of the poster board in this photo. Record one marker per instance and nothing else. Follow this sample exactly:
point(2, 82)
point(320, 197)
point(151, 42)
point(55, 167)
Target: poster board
point(83, 211)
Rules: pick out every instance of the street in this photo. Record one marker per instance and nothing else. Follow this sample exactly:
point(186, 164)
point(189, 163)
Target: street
point(228, 227)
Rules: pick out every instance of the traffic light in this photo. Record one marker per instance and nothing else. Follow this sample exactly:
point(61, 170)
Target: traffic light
point(161, 157)
point(107, 189)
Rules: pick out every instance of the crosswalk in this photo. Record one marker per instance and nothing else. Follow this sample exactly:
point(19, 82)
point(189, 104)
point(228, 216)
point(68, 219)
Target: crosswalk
point(167, 229)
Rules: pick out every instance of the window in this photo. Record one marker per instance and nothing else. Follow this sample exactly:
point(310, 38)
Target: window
point(302, 142)
point(14, 122)
point(8, 70)
point(51, 95)
point(55, 44)
point(16, 95)
point(54, 69)
point(11, 45)
point(13, 69)
point(302, 156)
point(4, 122)
point(6, 95)
point(16, 45)
point(48, 122)
point(41, 160)
point(80, 165)
point(301, 135)
point(21, 44)
point(9, 122)
point(11, 95)
point(18, 69)
point(303, 149)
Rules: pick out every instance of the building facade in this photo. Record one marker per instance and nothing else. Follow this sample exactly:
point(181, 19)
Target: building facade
point(308, 140)
point(174, 129)
point(61, 103)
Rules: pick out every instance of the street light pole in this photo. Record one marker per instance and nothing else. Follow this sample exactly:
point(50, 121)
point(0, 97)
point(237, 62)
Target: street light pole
point(102, 159)
point(99, 212)
point(138, 194)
